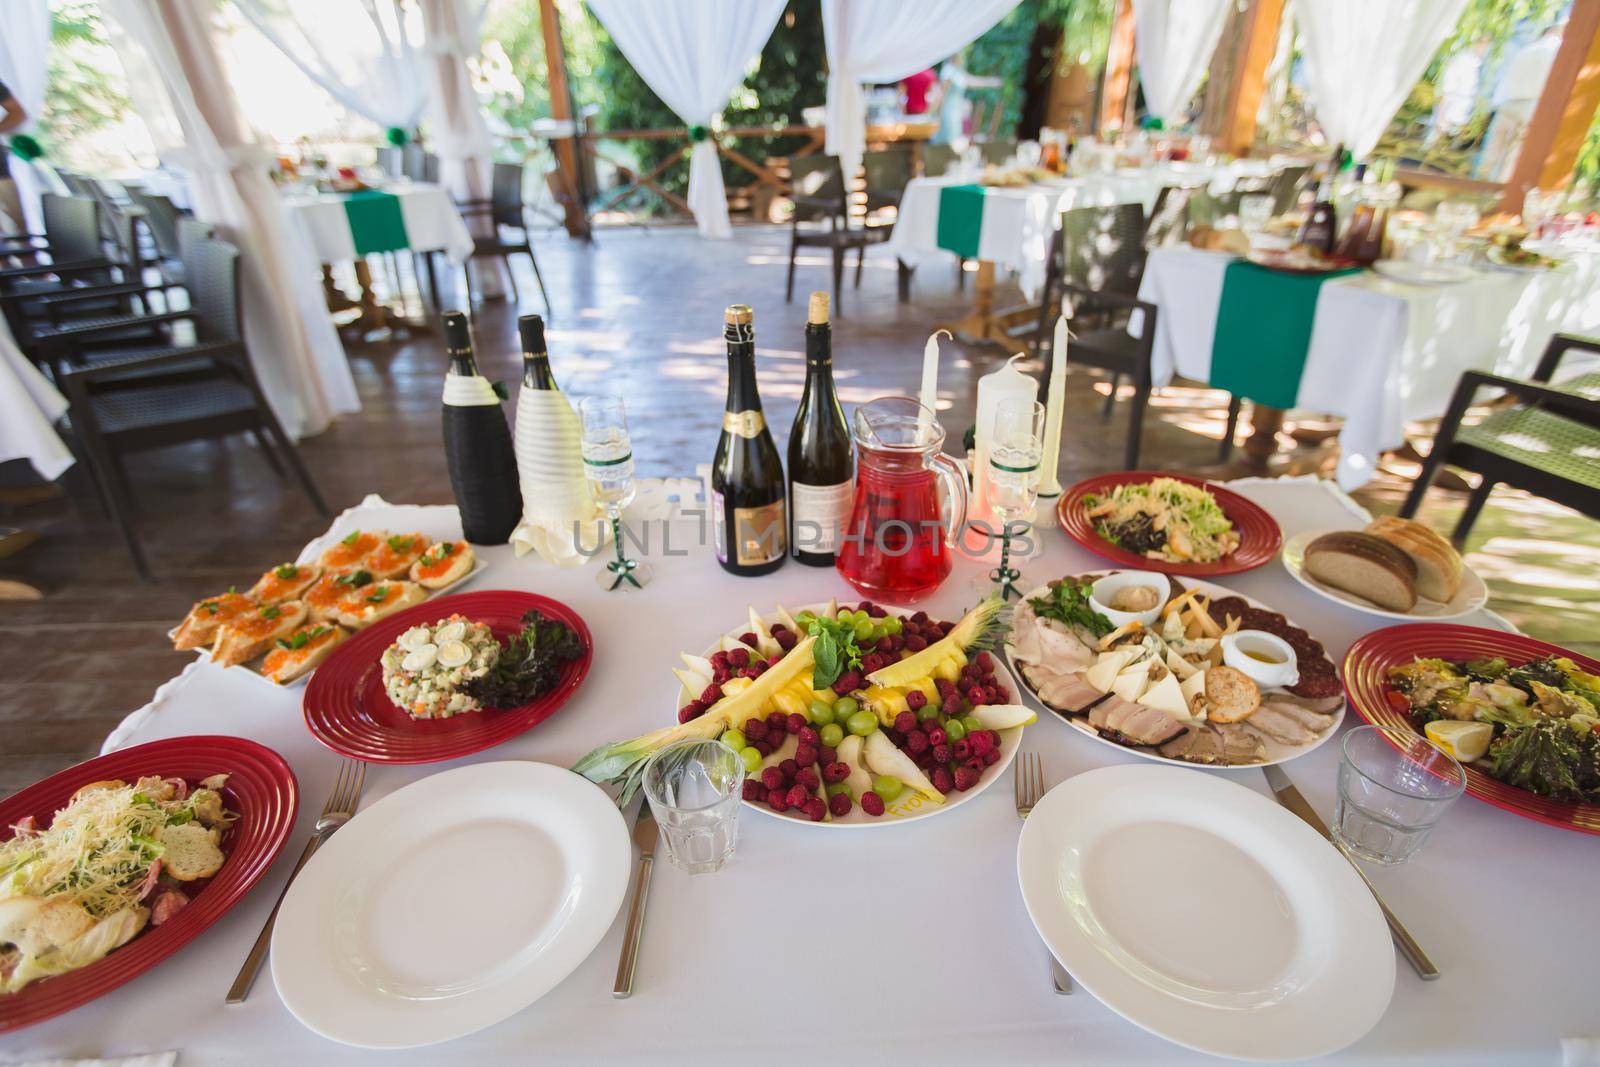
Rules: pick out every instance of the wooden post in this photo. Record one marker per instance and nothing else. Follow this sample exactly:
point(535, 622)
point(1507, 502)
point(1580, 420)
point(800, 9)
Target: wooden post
point(1258, 40)
point(566, 148)
point(1565, 109)
point(1119, 67)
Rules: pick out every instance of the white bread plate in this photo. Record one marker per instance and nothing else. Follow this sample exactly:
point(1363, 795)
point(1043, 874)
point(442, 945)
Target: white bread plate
point(1472, 595)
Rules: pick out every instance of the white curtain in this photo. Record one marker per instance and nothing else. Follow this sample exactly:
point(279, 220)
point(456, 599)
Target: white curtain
point(292, 342)
point(457, 132)
point(883, 41)
point(365, 53)
point(1363, 57)
point(692, 54)
point(1175, 40)
point(24, 47)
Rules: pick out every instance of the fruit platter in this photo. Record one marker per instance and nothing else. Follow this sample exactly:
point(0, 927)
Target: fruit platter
point(845, 717)
point(1183, 672)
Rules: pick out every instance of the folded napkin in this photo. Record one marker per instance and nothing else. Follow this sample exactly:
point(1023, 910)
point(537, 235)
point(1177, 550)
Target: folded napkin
point(148, 1059)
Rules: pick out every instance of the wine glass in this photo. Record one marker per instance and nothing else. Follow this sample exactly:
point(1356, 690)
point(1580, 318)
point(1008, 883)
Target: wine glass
point(1254, 213)
point(1455, 218)
point(1015, 449)
point(608, 468)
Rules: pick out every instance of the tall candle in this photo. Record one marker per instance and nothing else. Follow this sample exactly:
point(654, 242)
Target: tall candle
point(929, 394)
point(1055, 407)
point(1004, 383)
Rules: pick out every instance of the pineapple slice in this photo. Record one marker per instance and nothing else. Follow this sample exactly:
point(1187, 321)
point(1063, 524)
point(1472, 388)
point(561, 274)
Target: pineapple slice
point(981, 625)
point(886, 703)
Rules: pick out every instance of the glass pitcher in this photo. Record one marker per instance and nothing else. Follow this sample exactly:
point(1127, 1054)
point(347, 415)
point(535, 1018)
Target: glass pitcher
point(896, 546)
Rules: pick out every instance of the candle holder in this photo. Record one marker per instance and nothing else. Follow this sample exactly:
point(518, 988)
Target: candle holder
point(1013, 463)
point(608, 468)
point(1005, 576)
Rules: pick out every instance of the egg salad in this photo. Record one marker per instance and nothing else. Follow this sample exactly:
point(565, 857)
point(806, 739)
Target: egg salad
point(427, 670)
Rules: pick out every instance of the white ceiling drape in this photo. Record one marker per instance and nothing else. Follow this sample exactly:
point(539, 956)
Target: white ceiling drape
point(292, 341)
point(883, 41)
point(1362, 58)
point(366, 54)
point(692, 54)
point(24, 46)
point(1174, 40)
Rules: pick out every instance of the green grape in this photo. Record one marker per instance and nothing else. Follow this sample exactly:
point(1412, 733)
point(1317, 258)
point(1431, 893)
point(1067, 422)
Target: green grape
point(893, 625)
point(752, 759)
point(863, 631)
point(862, 723)
point(845, 707)
point(734, 739)
point(927, 712)
point(971, 723)
point(831, 735)
point(888, 787)
point(954, 730)
point(821, 713)
point(835, 788)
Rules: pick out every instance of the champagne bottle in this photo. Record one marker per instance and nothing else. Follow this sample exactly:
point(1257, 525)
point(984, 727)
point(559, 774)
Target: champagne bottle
point(536, 373)
point(1321, 227)
point(477, 444)
point(747, 491)
point(821, 466)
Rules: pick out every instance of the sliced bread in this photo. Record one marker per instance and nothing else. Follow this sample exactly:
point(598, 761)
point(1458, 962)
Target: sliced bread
point(1367, 566)
point(1438, 563)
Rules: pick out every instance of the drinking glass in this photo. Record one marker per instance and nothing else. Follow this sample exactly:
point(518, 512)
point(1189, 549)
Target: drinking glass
point(694, 788)
point(1538, 207)
point(1454, 218)
point(1254, 212)
point(1029, 153)
point(608, 468)
point(1013, 489)
point(1393, 787)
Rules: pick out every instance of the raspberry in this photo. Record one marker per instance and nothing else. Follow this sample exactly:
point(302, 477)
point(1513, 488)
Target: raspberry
point(945, 628)
point(826, 755)
point(920, 618)
point(754, 790)
point(895, 736)
point(981, 741)
point(972, 691)
point(915, 642)
point(772, 778)
point(749, 638)
point(806, 755)
point(778, 721)
point(711, 694)
point(999, 694)
point(991, 757)
point(885, 644)
point(755, 729)
point(777, 800)
point(945, 687)
point(906, 721)
point(872, 804)
point(840, 805)
point(759, 666)
point(970, 673)
point(722, 658)
point(816, 809)
point(952, 704)
point(965, 778)
point(795, 723)
point(941, 751)
point(836, 771)
point(808, 778)
point(961, 750)
point(974, 764)
point(923, 759)
point(872, 661)
point(809, 736)
point(917, 742)
point(985, 662)
point(916, 699)
point(752, 672)
point(788, 768)
point(689, 711)
point(763, 746)
point(720, 674)
point(798, 795)
point(735, 658)
point(851, 680)
point(786, 640)
point(942, 780)
point(937, 737)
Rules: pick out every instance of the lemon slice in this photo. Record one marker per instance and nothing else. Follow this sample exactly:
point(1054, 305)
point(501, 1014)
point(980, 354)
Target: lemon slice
point(1466, 741)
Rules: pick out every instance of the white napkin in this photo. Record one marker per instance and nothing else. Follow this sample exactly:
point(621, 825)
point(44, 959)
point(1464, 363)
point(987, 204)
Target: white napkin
point(1580, 1052)
point(148, 1059)
point(555, 496)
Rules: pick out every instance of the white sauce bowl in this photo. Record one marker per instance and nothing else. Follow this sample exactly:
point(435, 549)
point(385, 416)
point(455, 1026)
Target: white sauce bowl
point(1105, 590)
point(1282, 671)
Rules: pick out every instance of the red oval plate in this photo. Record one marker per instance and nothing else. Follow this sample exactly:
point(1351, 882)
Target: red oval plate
point(261, 788)
point(1260, 537)
point(1366, 674)
point(348, 711)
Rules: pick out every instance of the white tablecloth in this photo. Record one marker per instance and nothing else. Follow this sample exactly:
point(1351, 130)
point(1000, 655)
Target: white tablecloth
point(29, 408)
point(1381, 353)
point(432, 222)
point(1018, 223)
point(906, 945)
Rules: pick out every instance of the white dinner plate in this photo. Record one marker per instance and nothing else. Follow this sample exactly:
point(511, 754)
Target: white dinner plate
point(909, 805)
point(1276, 751)
point(1402, 270)
point(450, 904)
point(1205, 913)
point(1472, 595)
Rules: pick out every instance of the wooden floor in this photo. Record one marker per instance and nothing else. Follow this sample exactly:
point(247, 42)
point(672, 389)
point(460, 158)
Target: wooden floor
point(638, 313)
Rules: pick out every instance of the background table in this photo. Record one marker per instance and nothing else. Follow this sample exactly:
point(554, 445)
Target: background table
point(1382, 353)
point(908, 944)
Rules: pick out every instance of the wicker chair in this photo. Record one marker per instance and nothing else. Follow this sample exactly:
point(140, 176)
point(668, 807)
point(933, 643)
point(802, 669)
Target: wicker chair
point(888, 171)
point(1546, 443)
point(998, 152)
point(134, 397)
point(505, 211)
point(1169, 217)
point(819, 196)
point(936, 159)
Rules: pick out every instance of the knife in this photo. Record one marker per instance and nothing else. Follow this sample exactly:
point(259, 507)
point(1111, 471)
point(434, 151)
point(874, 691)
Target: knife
point(644, 835)
point(1290, 798)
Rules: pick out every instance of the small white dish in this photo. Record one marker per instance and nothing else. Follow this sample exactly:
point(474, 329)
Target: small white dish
point(1205, 913)
point(1472, 595)
point(450, 904)
point(1267, 659)
point(1105, 590)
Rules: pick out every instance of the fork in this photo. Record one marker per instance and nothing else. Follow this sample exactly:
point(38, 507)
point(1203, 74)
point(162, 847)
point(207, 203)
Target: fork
point(341, 805)
point(1029, 787)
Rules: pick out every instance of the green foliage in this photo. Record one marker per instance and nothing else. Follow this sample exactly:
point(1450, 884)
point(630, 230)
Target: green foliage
point(1003, 51)
point(83, 92)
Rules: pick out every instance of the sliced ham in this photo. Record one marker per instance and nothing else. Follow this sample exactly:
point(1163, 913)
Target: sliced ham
point(1316, 705)
point(1061, 689)
point(1239, 745)
point(1272, 722)
point(148, 886)
point(1221, 744)
point(26, 826)
point(167, 904)
point(1311, 720)
point(1133, 724)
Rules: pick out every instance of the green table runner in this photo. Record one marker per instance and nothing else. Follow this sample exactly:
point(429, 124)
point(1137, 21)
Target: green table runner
point(1264, 321)
point(376, 222)
point(960, 219)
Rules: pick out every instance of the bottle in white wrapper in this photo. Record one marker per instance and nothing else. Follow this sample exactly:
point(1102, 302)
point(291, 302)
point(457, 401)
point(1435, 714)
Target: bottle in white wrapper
point(555, 498)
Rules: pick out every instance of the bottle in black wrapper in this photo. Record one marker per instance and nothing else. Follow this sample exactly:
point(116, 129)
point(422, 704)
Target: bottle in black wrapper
point(477, 444)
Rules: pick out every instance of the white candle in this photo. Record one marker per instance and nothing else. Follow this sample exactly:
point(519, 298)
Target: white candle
point(929, 395)
point(1055, 407)
point(1005, 382)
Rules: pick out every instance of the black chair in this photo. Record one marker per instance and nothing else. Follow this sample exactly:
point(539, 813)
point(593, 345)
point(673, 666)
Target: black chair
point(162, 219)
point(1169, 217)
point(71, 239)
point(936, 159)
point(888, 171)
point(143, 396)
point(1208, 209)
point(505, 210)
point(1546, 442)
point(819, 196)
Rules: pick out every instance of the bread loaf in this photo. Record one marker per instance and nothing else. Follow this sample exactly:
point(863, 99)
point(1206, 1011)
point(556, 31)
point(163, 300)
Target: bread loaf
point(1367, 566)
point(1438, 563)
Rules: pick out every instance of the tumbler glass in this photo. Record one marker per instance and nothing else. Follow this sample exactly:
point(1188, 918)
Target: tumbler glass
point(694, 788)
point(1393, 787)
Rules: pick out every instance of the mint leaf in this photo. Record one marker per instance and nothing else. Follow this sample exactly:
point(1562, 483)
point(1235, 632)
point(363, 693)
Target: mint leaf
point(825, 668)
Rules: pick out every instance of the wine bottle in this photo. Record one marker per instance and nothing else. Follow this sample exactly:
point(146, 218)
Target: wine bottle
point(1321, 227)
point(747, 498)
point(536, 373)
point(477, 444)
point(821, 466)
